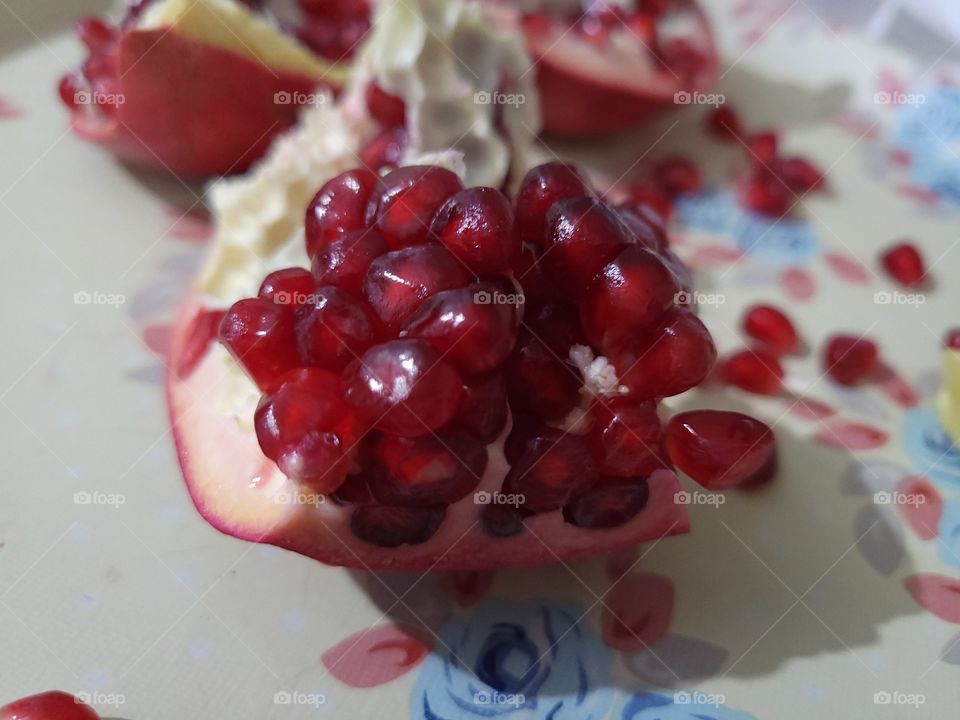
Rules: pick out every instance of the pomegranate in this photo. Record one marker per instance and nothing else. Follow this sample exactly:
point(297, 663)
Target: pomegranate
point(850, 360)
point(905, 264)
point(755, 370)
point(772, 328)
point(53, 705)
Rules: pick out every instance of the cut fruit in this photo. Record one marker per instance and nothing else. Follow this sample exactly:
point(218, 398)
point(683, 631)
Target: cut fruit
point(53, 705)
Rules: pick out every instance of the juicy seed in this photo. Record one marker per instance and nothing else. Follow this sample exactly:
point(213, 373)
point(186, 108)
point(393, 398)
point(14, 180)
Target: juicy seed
point(552, 468)
point(800, 175)
point(540, 381)
point(291, 286)
point(334, 329)
point(626, 437)
point(543, 186)
point(677, 176)
point(757, 371)
point(610, 503)
point(764, 194)
point(95, 34)
point(344, 262)
point(339, 207)
point(410, 197)
point(724, 124)
point(388, 110)
point(850, 360)
point(905, 264)
point(404, 388)
point(477, 226)
point(763, 148)
point(260, 336)
point(772, 328)
point(483, 410)
point(721, 449)
point(385, 149)
point(391, 527)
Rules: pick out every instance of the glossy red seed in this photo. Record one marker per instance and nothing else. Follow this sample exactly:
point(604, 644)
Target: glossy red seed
point(681, 273)
point(540, 381)
point(952, 339)
point(552, 468)
point(477, 226)
point(645, 224)
point(432, 470)
point(483, 410)
point(541, 187)
point(763, 148)
point(384, 150)
point(628, 297)
point(387, 526)
point(905, 264)
point(291, 286)
point(398, 282)
point(800, 175)
point(404, 388)
point(472, 327)
point(626, 436)
point(305, 427)
point(677, 176)
point(849, 359)
point(95, 33)
point(334, 329)
point(339, 207)
point(260, 336)
point(766, 195)
point(610, 503)
point(756, 370)
point(772, 328)
point(672, 358)
point(344, 262)
point(203, 331)
point(53, 705)
point(411, 196)
point(388, 110)
point(583, 235)
point(724, 124)
point(721, 449)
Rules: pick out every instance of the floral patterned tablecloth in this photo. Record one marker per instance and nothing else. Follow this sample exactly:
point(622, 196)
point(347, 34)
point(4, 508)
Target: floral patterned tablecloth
point(834, 591)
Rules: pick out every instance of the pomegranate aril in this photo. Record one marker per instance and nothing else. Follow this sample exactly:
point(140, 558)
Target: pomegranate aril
point(905, 264)
point(766, 195)
point(610, 503)
point(952, 339)
point(552, 468)
point(432, 470)
point(398, 282)
point(771, 327)
point(800, 175)
point(477, 226)
point(410, 197)
point(681, 273)
point(629, 296)
point(385, 149)
point(291, 286)
point(540, 381)
point(339, 207)
point(388, 110)
point(626, 436)
point(52, 705)
point(645, 224)
point(387, 526)
point(763, 148)
point(721, 449)
point(502, 521)
point(404, 388)
point(260, 336)
point(95, 34)
point(677, 176)
point(344, 262)
point(68, 88)
point(850, 360)
point(483, 410)
point(202, 333)
point(724, 124)
point(334, 329)
point(541, 187)
point(755, 370)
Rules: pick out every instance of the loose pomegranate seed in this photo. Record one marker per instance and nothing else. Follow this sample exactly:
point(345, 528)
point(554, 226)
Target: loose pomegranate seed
point(645, 224)
point(582, 235)
point(339, 207)
point(724, 124)
point(95, 33)
point(345, 262)
point(384, 150)
point(483, 410)
point(540, 381)
point(502, 521)
point(291, 286)
point(672, 358)
point(625, 438)
point(472, 332)
point(202, 333)
point(477, 226)
point(388, 110)
point(758, 371)
point(260, 336)
point(952, 339)
point(432, 470)
point(765, 194)
point(678, 176)
point(905, 264)
point(541, 187)
point(551, 469)
point(629, 296)
point(53, 705)
point(410, 197)
point(387, 526)
point(404, 387)
point(610, 503)
point(334, 329)
point(305, 427)
point(398, 282)
point(721, 449)
point(849, 360)
point(772, 328)
point(800, 175)
point(763, 147)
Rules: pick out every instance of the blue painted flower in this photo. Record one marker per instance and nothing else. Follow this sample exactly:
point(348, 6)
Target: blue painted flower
point(931, 450)
point(949, 531)
point(683, 705)
point(510, 660)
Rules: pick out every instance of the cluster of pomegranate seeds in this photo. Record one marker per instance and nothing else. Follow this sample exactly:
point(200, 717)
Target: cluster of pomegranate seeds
point(850, 360)
point(53, 705)
point(905, 264)
point(434, 313)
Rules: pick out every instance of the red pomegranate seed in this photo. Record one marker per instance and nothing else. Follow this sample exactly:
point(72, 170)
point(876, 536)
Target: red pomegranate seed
point(291, 286)
point(645, 223)
point(551, 468)
point(672, 358)
point(477, 226)
point(53, 705)
point(305, 427)
point(339, 207)
point(757, 371)
point(625, 438)
point(470, 326)
point(398, 282)
point(95, 34)
point(905, 264)
point(404, 387)
point(952, 339)
point(483, 410)
point(543, 186)
point(849, 360)
point(583, 235)
point(681, 273)
point(678, 176)
point(772, 328)
point(387, 526)
point(334, 329)
point(610, 503)
point(388, 110)
point(202, 333)
point(800, 175)
point(68, 88)
point(629, 296)
point(260, 336)
point(721, 449)
point(432, 470)
point(345, 262)
point(766, 195)
point(724, 124)
point(384, 150)
point(540, 381)
point(763, 148)
point(502, 521)
point(408, 201)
